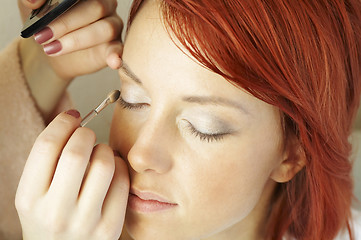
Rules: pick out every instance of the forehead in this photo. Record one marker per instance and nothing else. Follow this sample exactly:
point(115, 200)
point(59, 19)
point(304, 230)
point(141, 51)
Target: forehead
point(149, 50)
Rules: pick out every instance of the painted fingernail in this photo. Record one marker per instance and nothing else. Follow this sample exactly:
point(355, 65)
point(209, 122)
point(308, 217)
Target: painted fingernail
point(44, 35)
point(53, 47)
point(73, 112)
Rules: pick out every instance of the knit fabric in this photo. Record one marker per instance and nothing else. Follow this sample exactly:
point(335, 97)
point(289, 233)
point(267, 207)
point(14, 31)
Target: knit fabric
point(20, 124)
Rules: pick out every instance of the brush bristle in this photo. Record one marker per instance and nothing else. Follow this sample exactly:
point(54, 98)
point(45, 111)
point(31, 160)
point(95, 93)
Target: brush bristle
point(113, 96)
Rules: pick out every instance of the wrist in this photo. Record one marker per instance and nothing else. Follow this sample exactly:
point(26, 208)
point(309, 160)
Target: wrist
point(46, 86)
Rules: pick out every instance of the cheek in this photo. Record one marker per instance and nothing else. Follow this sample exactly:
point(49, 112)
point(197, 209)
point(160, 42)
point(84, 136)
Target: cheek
point(123, 131)
point(226, 183)
point(237, 184)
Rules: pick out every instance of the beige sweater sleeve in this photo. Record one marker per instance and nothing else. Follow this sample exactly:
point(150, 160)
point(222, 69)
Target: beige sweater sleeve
point(20, 124)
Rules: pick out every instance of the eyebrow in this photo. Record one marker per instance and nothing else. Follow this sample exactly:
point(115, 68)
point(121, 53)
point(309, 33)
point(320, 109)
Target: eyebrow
point(203, 100)
point(126, 70)
point(216, 101)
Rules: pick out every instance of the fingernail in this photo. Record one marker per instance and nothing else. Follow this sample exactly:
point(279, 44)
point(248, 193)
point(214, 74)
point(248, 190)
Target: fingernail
point(44, 35)
point(53, 47)
point(73, 112)
point(116, 153)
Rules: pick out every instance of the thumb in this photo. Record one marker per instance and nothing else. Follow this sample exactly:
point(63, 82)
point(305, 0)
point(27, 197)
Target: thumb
point(32, 4)
point(25, 7)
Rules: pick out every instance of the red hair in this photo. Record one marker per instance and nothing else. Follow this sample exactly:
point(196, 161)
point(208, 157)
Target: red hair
point(303, 57)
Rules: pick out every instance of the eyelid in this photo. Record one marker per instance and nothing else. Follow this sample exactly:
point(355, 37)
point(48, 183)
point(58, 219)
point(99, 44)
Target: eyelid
point(134, 92)
point(206, 122)
point(206, 136)
point(131, 106)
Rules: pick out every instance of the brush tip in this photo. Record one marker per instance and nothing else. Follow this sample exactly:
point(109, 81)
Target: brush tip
point(113, 96)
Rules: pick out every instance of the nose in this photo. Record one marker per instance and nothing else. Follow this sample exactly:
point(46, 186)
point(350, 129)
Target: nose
point(152, 148)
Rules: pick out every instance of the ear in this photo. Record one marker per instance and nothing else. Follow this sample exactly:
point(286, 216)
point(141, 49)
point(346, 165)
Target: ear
point(293, 161)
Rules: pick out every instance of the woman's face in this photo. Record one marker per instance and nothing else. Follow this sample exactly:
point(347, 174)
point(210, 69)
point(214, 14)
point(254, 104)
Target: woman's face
point(200, 150)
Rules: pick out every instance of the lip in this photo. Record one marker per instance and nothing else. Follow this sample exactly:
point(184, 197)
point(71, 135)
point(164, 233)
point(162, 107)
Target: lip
point(148, 202)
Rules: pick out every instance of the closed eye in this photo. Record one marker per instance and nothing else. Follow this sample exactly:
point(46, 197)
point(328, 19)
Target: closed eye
point(131, 106)
point(208, 137)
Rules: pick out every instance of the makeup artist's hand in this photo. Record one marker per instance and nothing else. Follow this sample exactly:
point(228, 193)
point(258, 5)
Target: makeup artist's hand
point(87, 37)
point(83, 40)
point(70, 189)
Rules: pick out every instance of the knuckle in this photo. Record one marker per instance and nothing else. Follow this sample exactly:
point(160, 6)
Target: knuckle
point(119, 23)
point(74, 42)
point(23, 205)
point(63, 25)
point(75, 152)
point(73, 156)
point(86, 133)
point(100, 8)
point(110, 29)
point(49, 138)
point(105, 166)
point(104, 148)
point(45, 142)
point(104, 161)
point(63, 120)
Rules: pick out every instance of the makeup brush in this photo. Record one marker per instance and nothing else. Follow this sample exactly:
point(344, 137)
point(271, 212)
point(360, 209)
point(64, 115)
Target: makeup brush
point(112, 97)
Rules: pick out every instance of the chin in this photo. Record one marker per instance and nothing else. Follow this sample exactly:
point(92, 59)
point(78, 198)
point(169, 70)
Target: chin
point(137, 232)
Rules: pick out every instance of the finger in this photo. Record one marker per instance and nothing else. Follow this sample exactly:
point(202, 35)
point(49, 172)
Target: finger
point(81, 15)
point(115, 203)
point(114, 54)
point(96, 183)
point(69, 173)
point(99, 32)
point(93, 58)
point(33, 4)
point(40, 166)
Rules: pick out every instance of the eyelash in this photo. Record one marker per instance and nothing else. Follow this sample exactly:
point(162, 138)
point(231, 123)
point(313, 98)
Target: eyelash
point(202, 136)
point(206, 137)
point(132, 106)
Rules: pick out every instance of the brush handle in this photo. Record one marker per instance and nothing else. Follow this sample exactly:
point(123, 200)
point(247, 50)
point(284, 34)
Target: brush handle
point(88, 117)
